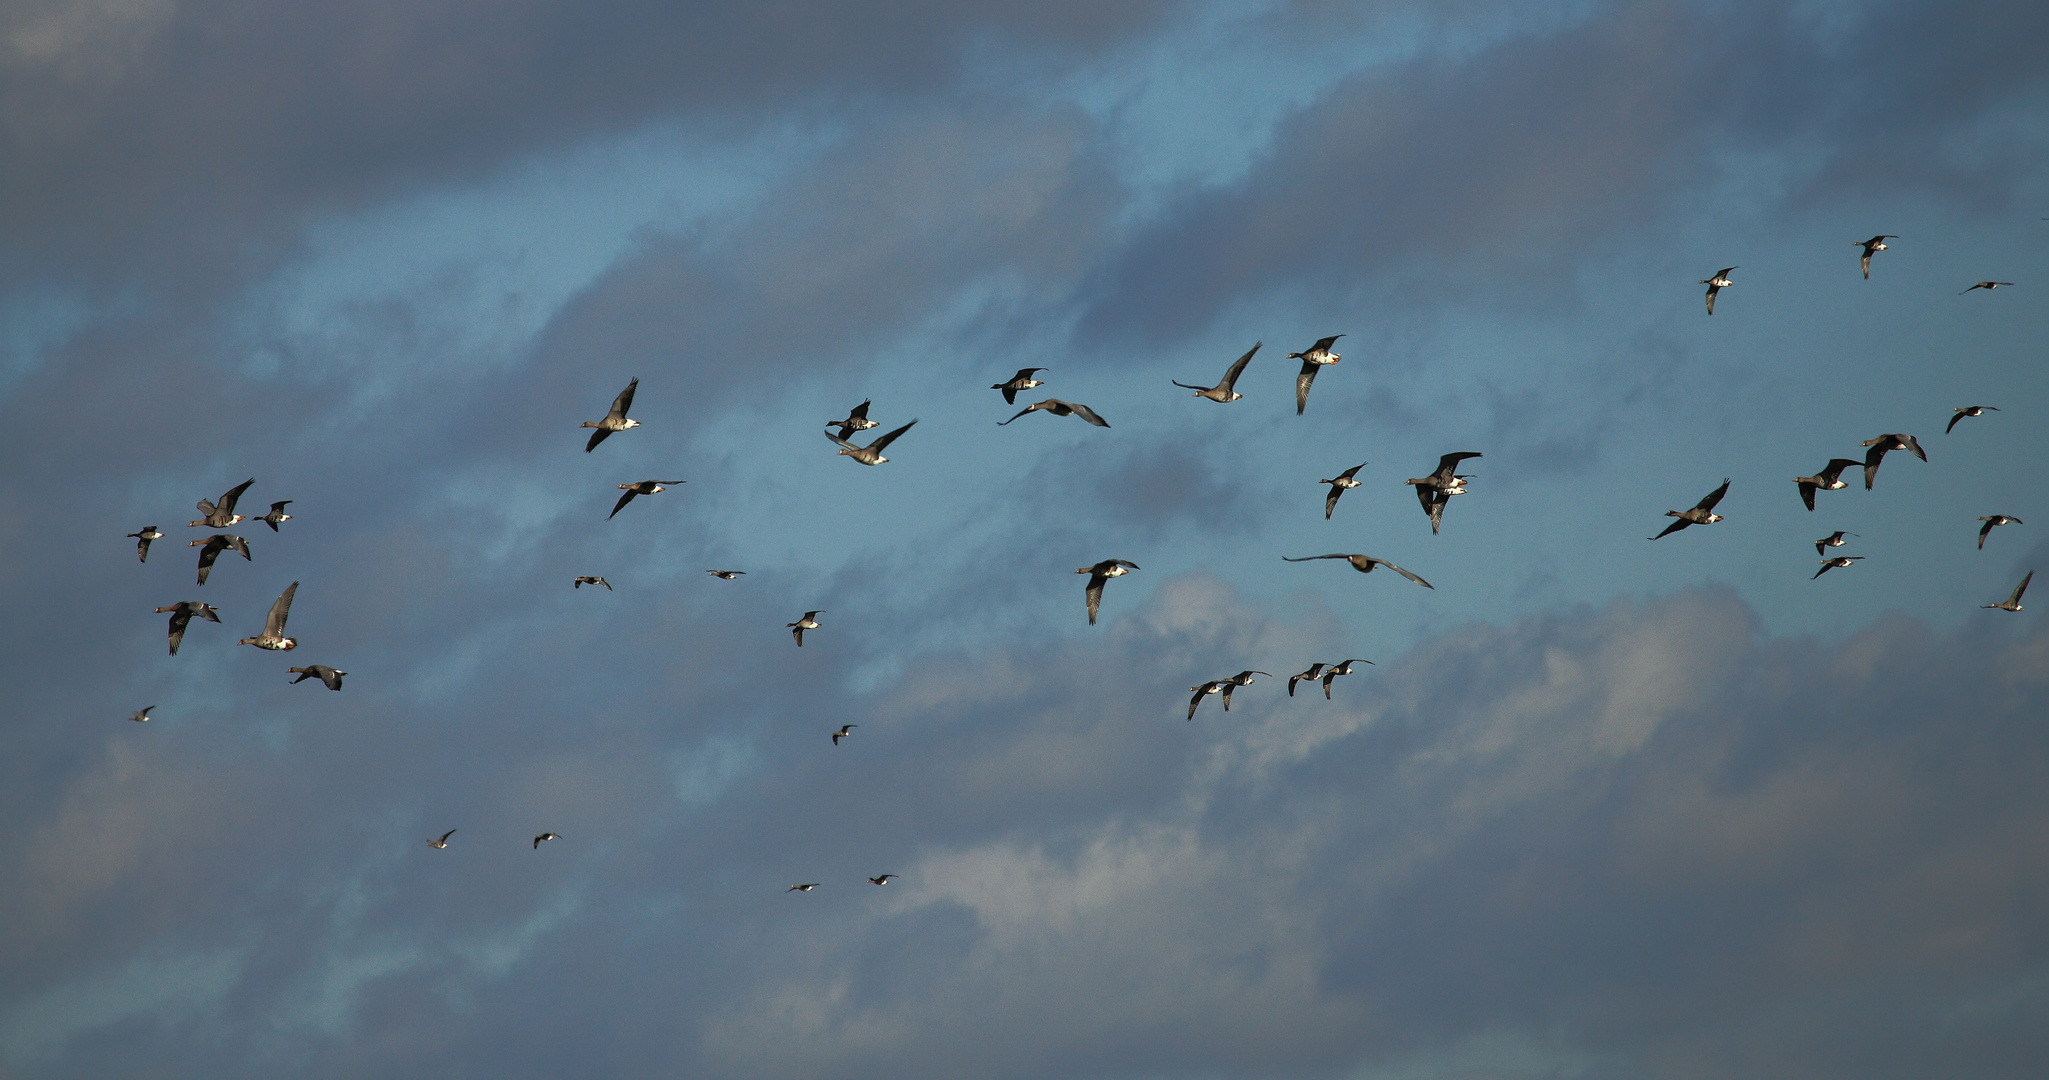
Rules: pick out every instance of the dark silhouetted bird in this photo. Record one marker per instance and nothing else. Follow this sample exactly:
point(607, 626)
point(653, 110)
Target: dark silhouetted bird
point(1879, 446)
point(1876, 243)
point(211, 548)
point(181, 614)
point(1716, 284)
point(1018, 383)
point(2013, 603)
point(615, 420)
point(1993, 522)
point(327, 675)
point(1701, 514)
point(645, 487)
point(273, 636)
point(1061, 408)
point(142, 538)
point(1098, 574)
point(1364, 564)
point(223, 515)
point(1828, 479)
point(1341, 483)
point(1222, 392)
point(1968, 410)
point(871, 454)
point(588, 579)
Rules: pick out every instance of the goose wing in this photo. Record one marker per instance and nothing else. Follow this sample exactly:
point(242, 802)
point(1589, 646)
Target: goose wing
point(1330, 501)
point(2020, 588)
point(1087, 414)
point(1094, 594)
point(859, 412)
point(623, 402)
point(280, 610)
point(1313, 558)
point(1709, 500)
point(1237, 368)
point(227, 504)
point(624, 498)
point(1678, 523)
point(597, 436)
point(878, 444)
point(1402, 572)
point(1448, 464)
point(1303, 379)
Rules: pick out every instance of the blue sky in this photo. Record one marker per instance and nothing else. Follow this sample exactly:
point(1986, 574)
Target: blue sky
point(1601, 807)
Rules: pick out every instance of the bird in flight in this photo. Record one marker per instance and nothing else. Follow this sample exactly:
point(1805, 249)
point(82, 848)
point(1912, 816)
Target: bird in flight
point(1716, 284)
point(1876, 243)
point(2013, 603)
point(587, 579)
point(1203, 691)
point(1828, 479)
point(223, 515)
point(645, 487)
point(273, 636)
point(277, 515)
point(1834, 539)
point(1337, 670)
point(615, 420)
point(443, 842)
point(1831, 564)
point(1315, 356)
point(181, 614)
point(1222, 392)
point(844, 731)
point(327, 675)
point(1314, 670)
point(857, 420)
point(1363, 564)
point(544, 836)
point(1987, 286)
point(725, 575)
point(1018, 383)
point(1435, 490)
point(806, 887)
point(1061, 408)
point(1992, 522)
point(141, 716)
point(808, 622)
point(880, 879)
point(1342, 483)
point(1100, 573)
point(871, 454)
point(1701, 514)
point(1968, 410)
point(1243, 678)
point(1889, 441)
point(213, 546)
point(142, 538)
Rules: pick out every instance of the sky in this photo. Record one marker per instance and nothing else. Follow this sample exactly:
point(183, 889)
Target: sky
point(1599, 808)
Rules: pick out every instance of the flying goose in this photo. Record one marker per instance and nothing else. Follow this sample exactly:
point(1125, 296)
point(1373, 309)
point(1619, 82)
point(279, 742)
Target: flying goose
point(1314, 670)
point(588, 579)
point(1363, 564)
point(1994, 521)
point(1243, 678)
point(181, 614)
point(1701, 514)
point(325, 674)
point(871, 454)
point(544, 836)
point(806, 887)
point(1204, 691)
point(141, 716)
point(1436, 489)
point(1831, 564)
point(273, 636)
point(615, 420)
point(1222, 392)
point(1876, 243)
point(142, 538)
point(1988, 286)
point(857, 420)
point(1339, 485)
point(1340, 669)
point(1968, 410)
point(2013, 603)
point(880, 879)
point(1019, 382)
point(214, 545)
point(645, 487)
point(443, 842)
point(1100, 573)
point(808, 622)
point(1312, 358)
point(223, 515)
point(1834, 539)
point(725, 575)
point(1889, 441)
point(1716, 284)
point(277, 515)
point(1061, 408)
point(844, 731)
point(1828, 479)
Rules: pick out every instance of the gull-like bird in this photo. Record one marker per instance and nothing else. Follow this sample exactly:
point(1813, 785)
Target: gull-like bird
point(1061, 408)
point(844, 731)
point(142, 538)
point(1436, 489)
point(328, 676)
point(2013, 603)
point(277, 515)
point(141, 716)
point(1203, 691)
point(181, 614)
point(213, 546)
point(1988, 286)
point(806, 887)
point(1889, 441)
point(1716, 284)
point(1834, 539)
point(1828, 479)
point(1968, 410)
point(544, 836)
point(857, 420)
point(443, 842)
point(808, 622)
point(273, 636)
point(1701, 514)
point(1337, 670)
point(871, 454)
point(1314, 670)
point(880, 879)
point(725, 575)
point(1364, 564)
point(1315, 356)
point(645, 487)
point(1018, 383)
point(1831, 564)
point(1222, 392)
point(1100, 573)
point(1243, 678)
point(223, 515)
point(588, 579)
point(1339, 485)
point(615, 420)
point(1993, 522)
point(1876, 243)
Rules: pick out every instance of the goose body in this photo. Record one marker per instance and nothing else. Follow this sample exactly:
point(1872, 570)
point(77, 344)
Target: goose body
point(1018, 383)
point(1435, 490)
point(871, 454)
point(1059, 408)
point(806, 887)
point(1968, 410)
point(1829, 478)
point(141, 716)
point(273, 636)
point(1203, 691)
point(1876, 243)
point(1988, 286)
point(1340, 484)
point(1835, 563)
point(1315, 670)
point(633, 491)
point(857, 420)
point(1313, 357)
point(844, 731)
point(222, 515)
point(1716, 284)
point(1834, 539)
point(277, 515)
point(1701, 514)
point(544, 836)
point(590, 579)
point(880, 879)
point(615, 419)
point(181, 615)
point(2013, 603)
point(808, 622)
point(725, 575)
point(1881, 445)
point(1993, 522)
point(143, 536)
point(1222, 392)
point(443, 841)
point(1336, 670)
point(211, 548)
point(328, 676)
point(1098, 574)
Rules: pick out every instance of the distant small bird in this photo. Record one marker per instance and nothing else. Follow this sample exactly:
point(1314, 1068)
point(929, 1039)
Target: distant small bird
point(1243, 678)
point(327, 675)
point(1339, 485)
point(2013, 603)
point(1061, 408)
point(1436, 489)
point(1701, 514)
point(1341, 669)
point(1889, 441)
point(844, 731)
point(443, 842)
point(857, 420)
point(1993, 522)
point(1315, 356)
point(212, 548)
point(277, 515)
point(544, 836)
point(1876, 243)
point(725, 575)
point(615, 419)
point(1314, 670)
point(1018, 383)
point(273, 636)
point(181, 614)
point(871, 454)
point(645, 487)
point(882, 879)
point(1203, 691)
point(1716, 284)
point(141, 716)
point(1098, 574)
point(1834, 539)
point(1988, 286)
point(1222, 392)
point(223, 515)
point(1364, 564)
point(1828, 479)
point(1831, 564)
point(1968, 410)
point(142, 538)
point(808, 622)
point(586, 579)
point(806, 887)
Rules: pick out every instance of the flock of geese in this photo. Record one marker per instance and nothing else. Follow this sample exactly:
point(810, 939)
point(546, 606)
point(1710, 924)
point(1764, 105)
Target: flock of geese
point(1434, 492)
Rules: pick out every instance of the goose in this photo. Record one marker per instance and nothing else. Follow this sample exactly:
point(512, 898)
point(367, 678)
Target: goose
point(1828, 479)
point(1314, 670)
point(806, 887)
point(214, 545)
point(725, 575)
point(141, 716)
point(587, 579)
point(1831, 564)
point(645, 487)
point(808, 622)
point(1243, 678)
point(1222, 392)
point(1340, 669)
point(1701, 514)
point(443, 842)
point(273, 636)
point(181, 614)
point(871, 454)
point(1315, 356)
point(1363, 564)
point(880, 879)
point(857, 420)
point(544, 836)
point(1436, 489)
point(327, 675)
point(142, 538)
point(1876, 455)
point(1716, 284)
point(1993, 522)
point(2013, 603)
point(1988, 286)
point(844, 731)
point(1061, 408)
point(1968, 410)
point(1204, 691)
point(1338, 486)
point(1019, 382)
point(1876, 243)
point(1834, 539)
point(277, 515)
point(615, 420)
point(223, 515)
point(1100, 573)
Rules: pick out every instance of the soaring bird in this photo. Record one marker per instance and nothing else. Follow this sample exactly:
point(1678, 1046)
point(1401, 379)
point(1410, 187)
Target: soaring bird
point(1243, 678)
point(1834, 539)
point(1992, 522)
point(1876, 243)
point(1337, 670)
point(880, 879)
point(1968, 410)
point(273, 636)
point(588, 579)
point(808, 622)
point(544, 836)
point(1988, 286)
point(1061, 408)
point(1436, 489)
point(857, 420)
point(214, 545)
point(223, 515)
point(1338, 486)
point(1701, 514)
point(1831, 564)
point(1889, 441)
point(615, 420)
point(1828, 479)
point(844, 731)
point(871, 454)
point(443, 842)
point(327, 675)
point(142, 538)
point(806, 887)
point(181, 614)
point(141, 716)
point(1222, 392)
point(1314, 670)
point(1100, 573)
point(725, 575)
point(277, 515)
point(1019, 382)
point(645, 487)
point(1716, 284)
point(2013, 603)
point(1204, 691)
point(1315, 356)
point(1364, 564)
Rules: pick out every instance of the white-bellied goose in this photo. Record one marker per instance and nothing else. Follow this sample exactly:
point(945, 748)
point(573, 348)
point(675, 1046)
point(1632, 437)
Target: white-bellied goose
point(805, 887)
point(181, 615)
point(644, 487)
point(1828, 479)
point(1716, 284)
point(1315, 356)
point(1243, 678)
point(1315, 670)
point(1098, 574)
point(1876, 243)
point(590, 579)
point(443, 842)
point(1203, 691)
point(223, 515)
point(1889, 441)
point(1339, 484)
point(1222, 392)
point(871, 454)
point(1061, 408)
point(142, 538)
point(1831, 564)
point(1993, 522)
point(1018, 383)
point(881, 879)
point(1363, 564)
point(2013, 603)
point(844, 731)
point(725, 575)
point(273, 636)
point(1834, 539)
point(1336, 670)
point(1968, 410)
point(327, 675)
point(857, 420)
point(141, 716)
point(808, 622)
point(213, 546)
point(1701, 514)
point(544, 836)
point(277, 515)
point(1988, 286)
point(615, 420)
point(1436, 489)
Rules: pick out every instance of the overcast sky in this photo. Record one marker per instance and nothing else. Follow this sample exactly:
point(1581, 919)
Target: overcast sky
point(1600, 808)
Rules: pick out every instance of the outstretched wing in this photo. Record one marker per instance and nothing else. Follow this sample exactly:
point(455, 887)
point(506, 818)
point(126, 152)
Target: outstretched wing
point(1914, 447)
point(1020, 412)
point(1351, 472)
point(280, 610)
point(1330, 501)
point(860, 412)
point(1095, 595)
point(1712, 290)
point(878, 444)
point(179, 620)
point(1678, 523)
point(1402, 572)
point(1448, 464)
point(1873, 458)
point(1088, 414)
point(1434, 502)
point(1313, 558)
point(1709, 500)
point(1237, 368)
point(2020, 588)
point(597, 436)
point(624, 498)
point(227, 506)
point(1302, 381)
point(623, 402)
